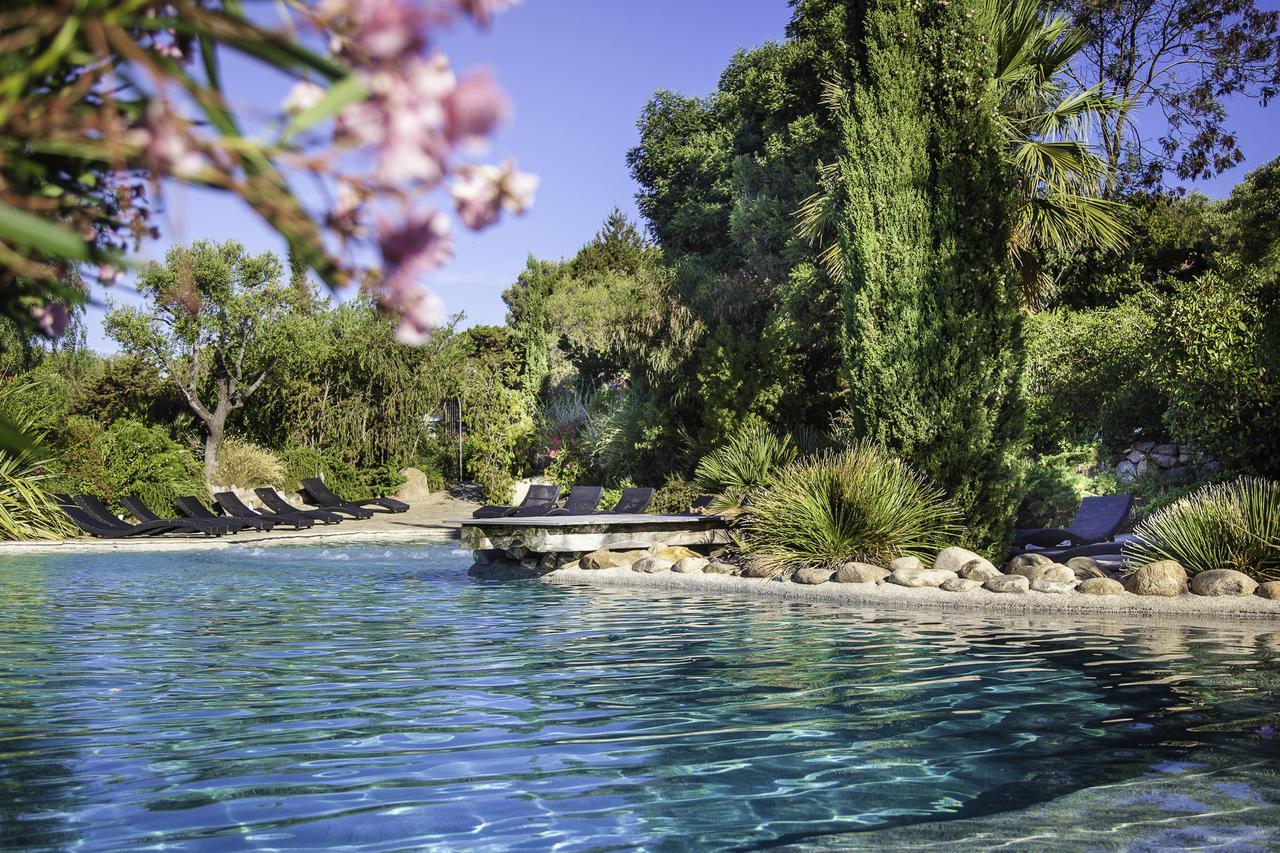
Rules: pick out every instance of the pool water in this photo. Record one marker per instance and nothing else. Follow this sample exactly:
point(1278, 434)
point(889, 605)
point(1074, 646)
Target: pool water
point(378, 697)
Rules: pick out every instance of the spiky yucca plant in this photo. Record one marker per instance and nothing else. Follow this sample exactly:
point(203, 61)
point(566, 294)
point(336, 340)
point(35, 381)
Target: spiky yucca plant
point(733, 471)
point(856, 504)
point(1233, 525)
point(27, 511)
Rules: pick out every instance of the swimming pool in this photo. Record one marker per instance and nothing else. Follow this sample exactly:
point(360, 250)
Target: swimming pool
point(378, 697)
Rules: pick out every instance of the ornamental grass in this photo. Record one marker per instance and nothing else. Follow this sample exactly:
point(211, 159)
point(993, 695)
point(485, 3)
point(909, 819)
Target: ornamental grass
point(857, 504)
point(736, 470)
point(1233, 525)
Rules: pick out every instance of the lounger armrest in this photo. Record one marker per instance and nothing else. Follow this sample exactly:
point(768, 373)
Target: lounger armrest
point(1047, 537)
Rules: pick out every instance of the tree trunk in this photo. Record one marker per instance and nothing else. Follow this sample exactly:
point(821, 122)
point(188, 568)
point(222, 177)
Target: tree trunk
point(217, 427)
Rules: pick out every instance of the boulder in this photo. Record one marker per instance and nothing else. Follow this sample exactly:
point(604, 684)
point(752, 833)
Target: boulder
point(414, 488)
point(1086, 567)
point(1126, 471)
point(953, 558)
point(758, 571)
point(651, 565)
point(1054, 587)
point(609, 559)
point(718, 568)
point(1270, 589)
point(1031, 559)
point(1100, 586)
point(979, 571)
point(905, 563)
point(960, 585)
point(1223, 582)
point(1008, 583)
point(1163, 577)
point(690, 565)
point(1053, 572)
point(921, 577)
point(811, 575)
point(860, 573)
point(672, 553)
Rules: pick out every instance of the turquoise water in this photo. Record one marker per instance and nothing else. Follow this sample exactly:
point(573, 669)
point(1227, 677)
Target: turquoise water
point(380, 698)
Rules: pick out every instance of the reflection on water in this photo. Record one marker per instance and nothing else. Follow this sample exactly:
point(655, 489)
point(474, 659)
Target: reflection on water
point(379, 697)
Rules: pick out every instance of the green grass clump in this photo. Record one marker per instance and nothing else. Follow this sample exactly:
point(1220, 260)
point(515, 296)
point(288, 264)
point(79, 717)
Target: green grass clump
point(732, 472)
point(1233, 525)
point(856, 504)
point(245, 464)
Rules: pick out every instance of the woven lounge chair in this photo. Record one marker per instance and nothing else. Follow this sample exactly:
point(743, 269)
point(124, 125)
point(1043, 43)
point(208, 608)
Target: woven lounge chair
point(582, 500)
point(230, 503)
point(633, 502)
point(540, 499)
point(138, 508)
point(1097, 521)
point(275, 502)
point(95, 525)
point(192, 507)
point(315, 492)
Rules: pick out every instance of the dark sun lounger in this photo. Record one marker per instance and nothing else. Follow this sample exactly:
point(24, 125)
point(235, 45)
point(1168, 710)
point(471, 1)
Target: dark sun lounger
point(315, 492)
point(192, 507)
point(633, 502)
point(538, 501)
point(582, 500)
point(1097, 521)
point(94, 525)
point(236, 508)
point(138, 509)
point(275, 502)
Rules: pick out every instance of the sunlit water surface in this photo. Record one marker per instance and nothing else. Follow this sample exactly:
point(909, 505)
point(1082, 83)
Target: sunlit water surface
point(379, 697)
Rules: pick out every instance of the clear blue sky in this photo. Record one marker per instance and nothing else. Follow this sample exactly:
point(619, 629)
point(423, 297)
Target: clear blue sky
point(578, 73)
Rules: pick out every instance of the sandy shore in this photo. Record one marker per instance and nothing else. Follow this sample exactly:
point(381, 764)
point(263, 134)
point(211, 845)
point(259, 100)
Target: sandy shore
point(426, 521)
point(892, 596)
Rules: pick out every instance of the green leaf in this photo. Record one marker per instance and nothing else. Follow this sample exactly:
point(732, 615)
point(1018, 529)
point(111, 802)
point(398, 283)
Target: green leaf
point(12, 438)
point(23, 229)
point(346, 91)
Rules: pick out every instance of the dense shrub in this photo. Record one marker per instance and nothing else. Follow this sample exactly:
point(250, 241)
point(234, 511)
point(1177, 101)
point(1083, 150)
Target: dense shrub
point(748, 461)
point(676, 495)
point(342, 478)
point(1232, 525)
point(245, 464)
point(27, 510)
point(1054, 485)
point(1090, 375)
point(143, 460)
point(856, 504)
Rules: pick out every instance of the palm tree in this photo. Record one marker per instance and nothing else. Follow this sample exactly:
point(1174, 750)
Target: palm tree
point(1059, 177)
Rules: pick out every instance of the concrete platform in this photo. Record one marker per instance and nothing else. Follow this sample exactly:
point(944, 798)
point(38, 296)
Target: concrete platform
point(559, 534)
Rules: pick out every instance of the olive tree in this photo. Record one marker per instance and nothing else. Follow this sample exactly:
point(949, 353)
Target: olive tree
point(208, 326)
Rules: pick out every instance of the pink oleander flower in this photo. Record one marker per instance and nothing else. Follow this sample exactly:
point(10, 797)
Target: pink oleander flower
point(165, 143)
point(484, 10)
point(387, 31)
point(420, 319)
point(481, 192)
point(419, 244)
point(51, 319)
point(109, 274)
point(475, 108)
point(303, 96)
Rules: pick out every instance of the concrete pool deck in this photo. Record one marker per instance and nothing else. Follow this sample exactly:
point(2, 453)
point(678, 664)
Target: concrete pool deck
point(892, 596)
point(426, 521)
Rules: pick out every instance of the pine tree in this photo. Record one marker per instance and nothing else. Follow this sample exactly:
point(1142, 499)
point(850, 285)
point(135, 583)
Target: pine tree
point(931, 334)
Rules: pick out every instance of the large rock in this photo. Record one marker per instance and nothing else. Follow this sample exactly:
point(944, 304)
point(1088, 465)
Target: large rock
point(1100, 586)
point(690, 565)
point(1054, 587)
point(1223, 582)
point(905, 563)
point(719, 568)
point(414, 488)
point(651, 565)
point(758, 571)
point(1086, 567)
point(672, 553)
point(860, 573)
point(1008, 583)
point(1053, 572)
point(953, 559)
point(811, 575)
point(1164, 577)
point(979, 571)
point(1031, 559)
point(1270, 589)
point(921, 577)
point(609, 559)
point(960, 585)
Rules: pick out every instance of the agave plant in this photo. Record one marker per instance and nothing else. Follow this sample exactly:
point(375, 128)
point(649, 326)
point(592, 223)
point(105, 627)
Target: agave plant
point(27, 511)
point(1045, 126)
point(734, 471)
point(856, 504)
point(1233, 525)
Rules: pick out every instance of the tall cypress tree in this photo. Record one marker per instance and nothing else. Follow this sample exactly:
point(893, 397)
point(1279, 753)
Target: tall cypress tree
point(931, 336)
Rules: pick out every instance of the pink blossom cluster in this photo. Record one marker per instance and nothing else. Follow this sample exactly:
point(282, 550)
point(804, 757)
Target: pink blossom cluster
point(417, 117)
